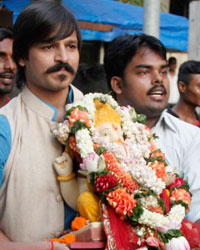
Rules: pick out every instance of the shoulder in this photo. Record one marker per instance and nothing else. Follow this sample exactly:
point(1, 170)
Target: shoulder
point(182, 129)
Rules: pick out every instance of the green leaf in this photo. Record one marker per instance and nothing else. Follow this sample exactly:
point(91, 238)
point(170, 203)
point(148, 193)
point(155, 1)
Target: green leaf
point(78, 125)
point(174, 233)
point(137, 212)
point(161, 203)
point(173, 203)
point(100, 150)
point(144, 194)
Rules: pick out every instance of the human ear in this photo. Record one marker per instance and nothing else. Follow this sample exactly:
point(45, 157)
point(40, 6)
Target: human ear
point(116, 84)
point(182, 87)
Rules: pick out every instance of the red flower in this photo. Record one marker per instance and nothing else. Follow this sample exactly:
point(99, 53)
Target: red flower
point(79, 115)
point(121, 201)
point(165, 196)
point(105, 182)
point(178, 182)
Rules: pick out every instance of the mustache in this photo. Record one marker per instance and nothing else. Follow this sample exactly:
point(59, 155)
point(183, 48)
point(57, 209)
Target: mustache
point(59, 66)
point(7, 72)
point(157, 86)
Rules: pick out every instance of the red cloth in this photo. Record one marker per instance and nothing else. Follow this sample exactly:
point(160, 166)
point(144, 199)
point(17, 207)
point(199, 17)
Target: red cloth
point(121, 232)
point(124, 237)
point(191, 232)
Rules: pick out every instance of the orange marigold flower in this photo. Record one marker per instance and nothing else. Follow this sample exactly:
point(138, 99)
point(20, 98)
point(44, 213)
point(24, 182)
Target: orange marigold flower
point(181, 195)
point(121, 201)
point(125, 180)
point(79, 115)
point(78, 223)
point(159, 168)
point(72, 144)
point(156, 209)
point(67, 239)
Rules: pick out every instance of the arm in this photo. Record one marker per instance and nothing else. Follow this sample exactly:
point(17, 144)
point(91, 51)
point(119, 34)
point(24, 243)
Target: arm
point(5, 143)
point(191, 173)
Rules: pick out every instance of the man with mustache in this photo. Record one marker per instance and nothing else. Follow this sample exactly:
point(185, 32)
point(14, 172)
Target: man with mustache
point(7, 65)
point(136, 69)
point(46, 48)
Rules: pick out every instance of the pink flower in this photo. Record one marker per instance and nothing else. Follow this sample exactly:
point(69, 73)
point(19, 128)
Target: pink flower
point(178, 182)
point(153, 242)
point(105, 182)
point(90, 163)
point(179, 243)
point(171, 225)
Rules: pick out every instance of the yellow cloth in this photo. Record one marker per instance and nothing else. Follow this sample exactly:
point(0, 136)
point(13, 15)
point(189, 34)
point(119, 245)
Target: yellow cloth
point(105, 113)
point(88, 206)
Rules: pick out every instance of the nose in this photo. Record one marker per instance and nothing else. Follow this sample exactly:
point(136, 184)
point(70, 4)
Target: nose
point(157, 78)
point(10, 64)
point(61, 54)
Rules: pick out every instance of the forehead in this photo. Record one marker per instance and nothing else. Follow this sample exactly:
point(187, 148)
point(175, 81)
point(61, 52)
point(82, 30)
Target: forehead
point(146, 56)
point(56, 36)
point(195, 79)
point(6, 45)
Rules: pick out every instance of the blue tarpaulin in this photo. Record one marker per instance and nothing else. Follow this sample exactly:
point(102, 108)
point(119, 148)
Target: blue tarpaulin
point(124, 18)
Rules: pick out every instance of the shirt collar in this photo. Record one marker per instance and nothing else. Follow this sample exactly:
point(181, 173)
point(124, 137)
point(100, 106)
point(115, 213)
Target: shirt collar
point(165, 121)
point(40, 106)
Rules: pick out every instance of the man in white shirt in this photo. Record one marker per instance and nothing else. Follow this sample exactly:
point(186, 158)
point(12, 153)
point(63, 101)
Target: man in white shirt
point(137, 72)
point(173, 77)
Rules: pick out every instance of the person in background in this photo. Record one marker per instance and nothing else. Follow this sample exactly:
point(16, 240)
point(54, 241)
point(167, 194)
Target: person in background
point(7, 65)
point(91, 78)
point(172, 75)
point(137, 69)
point(189, 89)
point(46, 48)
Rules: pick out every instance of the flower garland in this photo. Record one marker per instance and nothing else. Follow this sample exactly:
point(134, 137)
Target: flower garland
point(135, 181)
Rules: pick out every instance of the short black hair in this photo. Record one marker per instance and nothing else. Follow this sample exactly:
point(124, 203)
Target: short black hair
point(172, 60)
point(36, 23)
point(187, 69)
point(123, 48)
point(5, 33)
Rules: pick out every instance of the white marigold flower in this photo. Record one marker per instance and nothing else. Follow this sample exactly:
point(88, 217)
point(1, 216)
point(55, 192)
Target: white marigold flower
point(62, 131)
point(84, 142)
point(152, 219)
point(177, 213)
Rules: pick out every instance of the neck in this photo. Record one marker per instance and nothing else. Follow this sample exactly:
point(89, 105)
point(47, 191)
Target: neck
point(3, 100)
point(185, 111)
point(151, 121)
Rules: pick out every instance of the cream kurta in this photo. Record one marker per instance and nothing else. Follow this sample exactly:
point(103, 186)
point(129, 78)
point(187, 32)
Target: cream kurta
point(31, 206)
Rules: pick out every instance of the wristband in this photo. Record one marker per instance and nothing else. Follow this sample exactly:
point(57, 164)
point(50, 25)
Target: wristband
point(66, 178)
point(52, 245)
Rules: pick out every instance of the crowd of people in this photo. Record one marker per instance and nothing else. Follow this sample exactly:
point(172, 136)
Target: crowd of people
point(41, 57)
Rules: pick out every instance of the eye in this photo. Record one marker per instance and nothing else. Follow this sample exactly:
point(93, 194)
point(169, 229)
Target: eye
point(48, 47)
point(72, 46)
point(143, 72)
